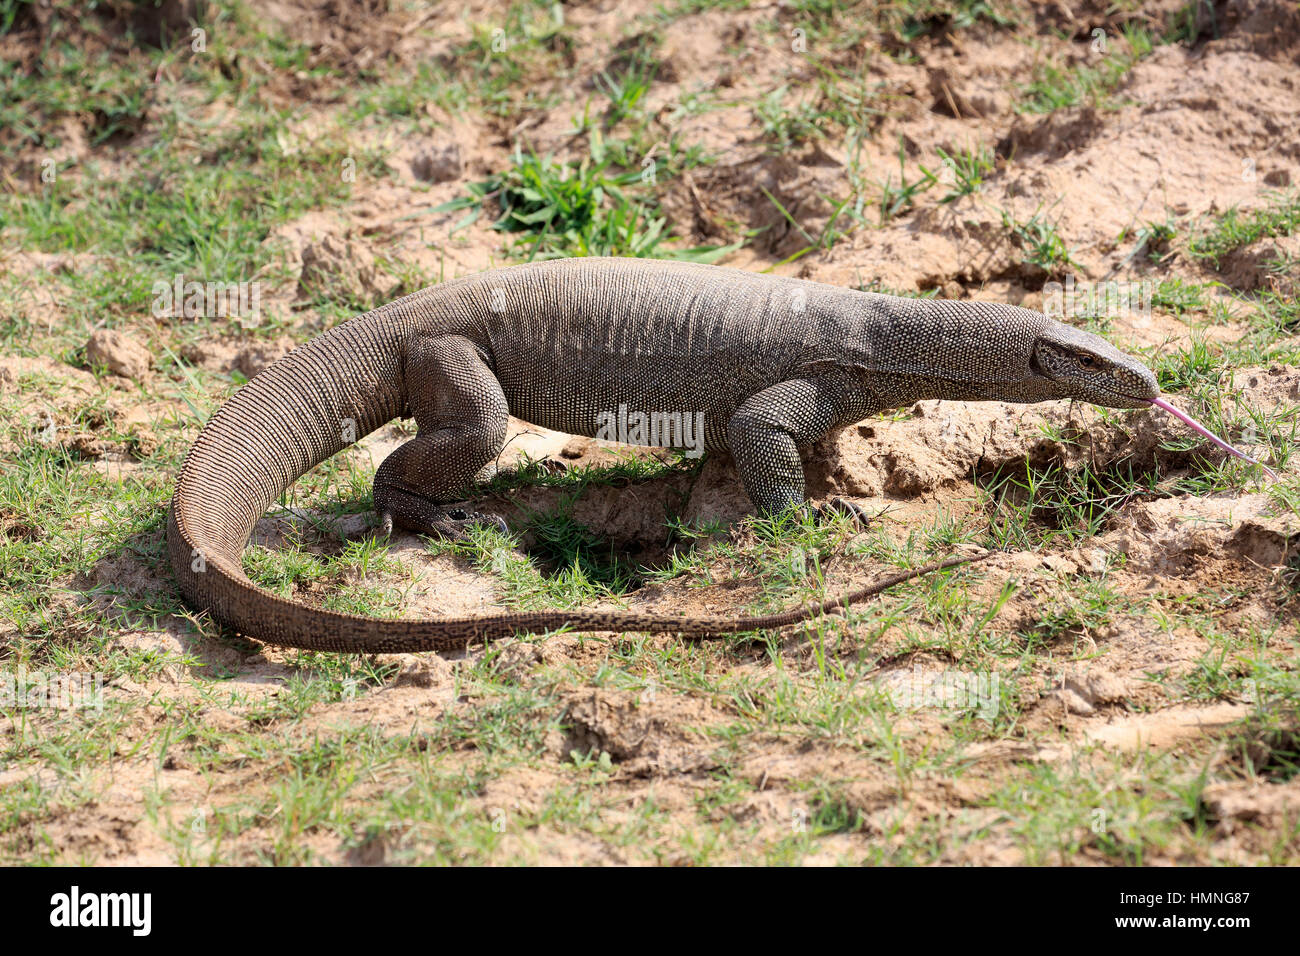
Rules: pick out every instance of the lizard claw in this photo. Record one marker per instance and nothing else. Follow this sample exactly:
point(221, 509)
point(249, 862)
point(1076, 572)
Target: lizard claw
point(490, 522)
point(454, 522)
point(855, 512)
point(553, 466)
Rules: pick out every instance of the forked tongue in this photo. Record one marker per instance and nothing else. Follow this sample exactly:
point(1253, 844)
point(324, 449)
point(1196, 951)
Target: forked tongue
point(1202, 430)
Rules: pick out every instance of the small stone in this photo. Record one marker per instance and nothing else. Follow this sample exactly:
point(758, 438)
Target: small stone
point(142, 443)
point(1106, 687)
point(1092, 560)
point(1083, 690)
point(1074, 702)
point(1023, 561)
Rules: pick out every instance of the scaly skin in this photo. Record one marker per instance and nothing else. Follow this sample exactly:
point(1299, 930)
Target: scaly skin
point(767, 364)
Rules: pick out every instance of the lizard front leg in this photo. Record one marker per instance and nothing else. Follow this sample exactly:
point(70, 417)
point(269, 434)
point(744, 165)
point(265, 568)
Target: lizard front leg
point(766, 432)
point(461, 412)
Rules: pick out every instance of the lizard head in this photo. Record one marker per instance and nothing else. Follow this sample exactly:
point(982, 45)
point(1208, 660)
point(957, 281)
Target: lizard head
point(1081, 365)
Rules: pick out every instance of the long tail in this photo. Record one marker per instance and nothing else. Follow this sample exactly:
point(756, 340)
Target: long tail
point(303, 409)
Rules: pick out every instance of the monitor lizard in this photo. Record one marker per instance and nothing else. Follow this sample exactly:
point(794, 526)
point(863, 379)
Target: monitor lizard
point(766, 364)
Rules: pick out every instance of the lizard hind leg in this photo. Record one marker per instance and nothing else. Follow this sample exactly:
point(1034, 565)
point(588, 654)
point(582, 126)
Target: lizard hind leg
point(461, 412)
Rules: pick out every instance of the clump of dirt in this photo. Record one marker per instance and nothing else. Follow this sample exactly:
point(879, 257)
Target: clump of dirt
point(120, 353)
point(349, 36)
point(1173, 536)
point(342, 268)
point(241, 354)
point(438, 163)
point(1084, 690)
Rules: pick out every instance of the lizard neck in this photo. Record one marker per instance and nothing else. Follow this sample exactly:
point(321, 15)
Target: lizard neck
point(945, 349)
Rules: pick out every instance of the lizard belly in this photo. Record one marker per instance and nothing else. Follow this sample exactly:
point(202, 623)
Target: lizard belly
point(657, 403)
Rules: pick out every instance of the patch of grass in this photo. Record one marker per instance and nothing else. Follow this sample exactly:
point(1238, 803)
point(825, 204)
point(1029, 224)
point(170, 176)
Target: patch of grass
point(1116, 808)
point(1197, 375)
point(1185, 25)
point(1180, 296)
point(841, 24)
point(897, 199)
point(9, 10)
point(207, 221)
point(1153, 240)
point(1266, 745)
point(839, 100)
point(1216, 675)
point(590, 573)
point(964, 170)
point(1057, 88)
point(1237, 228)
point(326, 786)
point(831, 232)
point(71, 82)
point(64, 751)
point(1277, 315)
point(1196, 364)
point(627, 88)
point(501, 68)
point(1030, 506)
point(577, 553)
point(785, 127)
point(913, 19)
point(1077, 613)
point(60, 519)
point(628, 469)
point(560, 209)
point(1041, 243)
point(285, 571)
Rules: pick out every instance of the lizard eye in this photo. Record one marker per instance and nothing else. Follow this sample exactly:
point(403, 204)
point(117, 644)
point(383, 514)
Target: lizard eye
point(1087, 361)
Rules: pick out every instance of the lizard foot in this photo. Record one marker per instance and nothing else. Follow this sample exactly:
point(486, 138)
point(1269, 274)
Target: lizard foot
point(842, 506)
point(453, 521)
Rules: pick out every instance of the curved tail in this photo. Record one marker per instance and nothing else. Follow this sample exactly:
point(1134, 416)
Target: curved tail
point(303, 409)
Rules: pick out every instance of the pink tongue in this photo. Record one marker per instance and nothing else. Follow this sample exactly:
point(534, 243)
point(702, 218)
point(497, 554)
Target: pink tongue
point(1202, 430)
